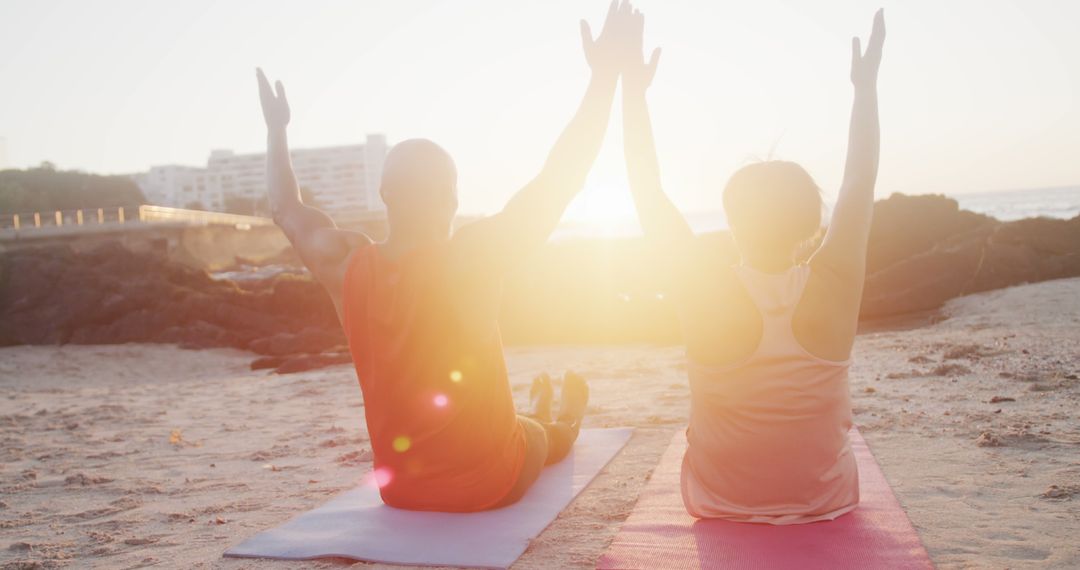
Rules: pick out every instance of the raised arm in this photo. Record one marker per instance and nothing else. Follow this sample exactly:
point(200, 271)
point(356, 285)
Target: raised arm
point(662, 222)
point(533, 212)
point(844, 249)
point(323, 247)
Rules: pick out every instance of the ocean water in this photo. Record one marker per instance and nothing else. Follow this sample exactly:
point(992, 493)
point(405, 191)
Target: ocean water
point(1006, 206)
point(1018, 204)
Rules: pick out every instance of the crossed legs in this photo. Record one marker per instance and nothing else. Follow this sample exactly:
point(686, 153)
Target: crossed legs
point(546, 441)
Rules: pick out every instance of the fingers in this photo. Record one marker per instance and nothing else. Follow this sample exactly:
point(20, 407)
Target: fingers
point(856, 52)
point(638, 20)
point(879, 23)
point(877, 36)
point(650, 68)
point(281, 92)
point(654, 60)
point(613, 8)
point(586, 36)
point(264, 85)
point(266, 94)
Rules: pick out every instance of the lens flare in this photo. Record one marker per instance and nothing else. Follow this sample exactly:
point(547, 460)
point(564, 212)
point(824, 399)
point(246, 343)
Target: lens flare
point(383, 476)
point(402, 444)
point(441, 400)
point(455, 376)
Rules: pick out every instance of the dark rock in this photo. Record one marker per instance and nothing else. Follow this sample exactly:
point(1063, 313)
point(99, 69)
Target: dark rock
point(198, 334)
point(905, 226)
point(309, 340)
point(268, 362)
point(924, 252)
point(110, 295)
point(312, 362)
point(922, 282)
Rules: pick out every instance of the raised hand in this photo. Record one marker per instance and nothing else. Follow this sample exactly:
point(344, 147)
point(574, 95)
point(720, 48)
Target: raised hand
point(608, 52)
point(843, 251)
point(638, 74)
point(275, 107)
point(864, 67)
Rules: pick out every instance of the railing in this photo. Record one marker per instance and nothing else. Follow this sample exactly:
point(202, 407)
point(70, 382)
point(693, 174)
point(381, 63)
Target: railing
point(144, 214)
point(149, 213)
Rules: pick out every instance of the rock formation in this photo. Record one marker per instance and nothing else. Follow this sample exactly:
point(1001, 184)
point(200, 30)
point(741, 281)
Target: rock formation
point(923, 251)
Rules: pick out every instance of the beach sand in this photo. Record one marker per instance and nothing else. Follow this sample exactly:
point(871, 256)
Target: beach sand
point(146, 455)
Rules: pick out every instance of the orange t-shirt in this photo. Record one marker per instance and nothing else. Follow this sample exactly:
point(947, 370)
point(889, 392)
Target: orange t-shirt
point(440, 414)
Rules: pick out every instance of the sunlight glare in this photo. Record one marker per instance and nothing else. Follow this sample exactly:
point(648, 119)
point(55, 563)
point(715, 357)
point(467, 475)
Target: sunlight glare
point(604, 209)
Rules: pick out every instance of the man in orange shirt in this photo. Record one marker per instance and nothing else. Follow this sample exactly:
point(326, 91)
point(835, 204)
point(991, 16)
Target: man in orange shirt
point(420, 309)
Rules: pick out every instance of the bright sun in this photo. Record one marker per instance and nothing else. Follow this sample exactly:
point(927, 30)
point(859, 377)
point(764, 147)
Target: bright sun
point(604, 209)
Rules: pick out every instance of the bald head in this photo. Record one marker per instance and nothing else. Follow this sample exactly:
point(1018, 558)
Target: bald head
point(419, 184)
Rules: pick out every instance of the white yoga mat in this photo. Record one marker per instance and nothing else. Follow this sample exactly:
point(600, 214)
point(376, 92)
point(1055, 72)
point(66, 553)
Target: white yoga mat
point(357, 525)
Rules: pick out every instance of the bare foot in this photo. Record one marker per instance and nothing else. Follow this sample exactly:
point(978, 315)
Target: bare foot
point(575, 396)
point(540, 396)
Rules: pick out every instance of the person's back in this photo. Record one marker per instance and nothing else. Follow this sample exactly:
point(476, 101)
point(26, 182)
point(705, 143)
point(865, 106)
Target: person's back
point(439, 409)
point(768, 431)
point(420, 309)
point(768, 341)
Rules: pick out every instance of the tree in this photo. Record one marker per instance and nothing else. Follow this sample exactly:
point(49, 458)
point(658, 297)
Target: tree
point(45, 188)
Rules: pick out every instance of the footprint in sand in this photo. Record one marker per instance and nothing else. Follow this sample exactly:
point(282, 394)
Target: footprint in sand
point(969, 351)
point(84, 480)
point(353, 458)
point(272, 453)
point(1060, 492)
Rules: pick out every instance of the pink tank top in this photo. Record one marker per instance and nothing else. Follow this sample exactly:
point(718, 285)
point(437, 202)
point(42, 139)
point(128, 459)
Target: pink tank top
point(768, 436)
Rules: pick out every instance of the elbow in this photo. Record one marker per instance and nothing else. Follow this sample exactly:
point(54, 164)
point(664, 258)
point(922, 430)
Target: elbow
point(277, 213)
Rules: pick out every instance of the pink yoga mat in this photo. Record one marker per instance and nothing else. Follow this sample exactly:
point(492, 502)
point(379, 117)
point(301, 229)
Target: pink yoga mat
point(660, 535)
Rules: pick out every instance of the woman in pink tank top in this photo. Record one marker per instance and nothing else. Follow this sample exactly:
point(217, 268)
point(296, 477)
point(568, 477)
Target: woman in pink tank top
point(768, 340)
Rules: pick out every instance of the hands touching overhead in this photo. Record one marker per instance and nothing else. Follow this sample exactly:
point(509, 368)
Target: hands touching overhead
point(610, 53)
point(533, 212)
point(664, 226)
point(637, 73)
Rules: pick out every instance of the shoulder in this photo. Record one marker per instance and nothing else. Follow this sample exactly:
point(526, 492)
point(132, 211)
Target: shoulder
point(327, 253)
point(332, 246)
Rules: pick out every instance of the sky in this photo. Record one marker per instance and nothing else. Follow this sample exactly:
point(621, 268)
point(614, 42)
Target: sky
point(976, 95)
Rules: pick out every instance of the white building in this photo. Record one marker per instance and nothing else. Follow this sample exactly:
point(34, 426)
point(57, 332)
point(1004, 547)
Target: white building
point(179, 186)
point(343, 179)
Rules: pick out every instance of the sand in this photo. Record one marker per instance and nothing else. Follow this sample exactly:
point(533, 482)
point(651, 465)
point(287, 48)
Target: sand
point(146, 455)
